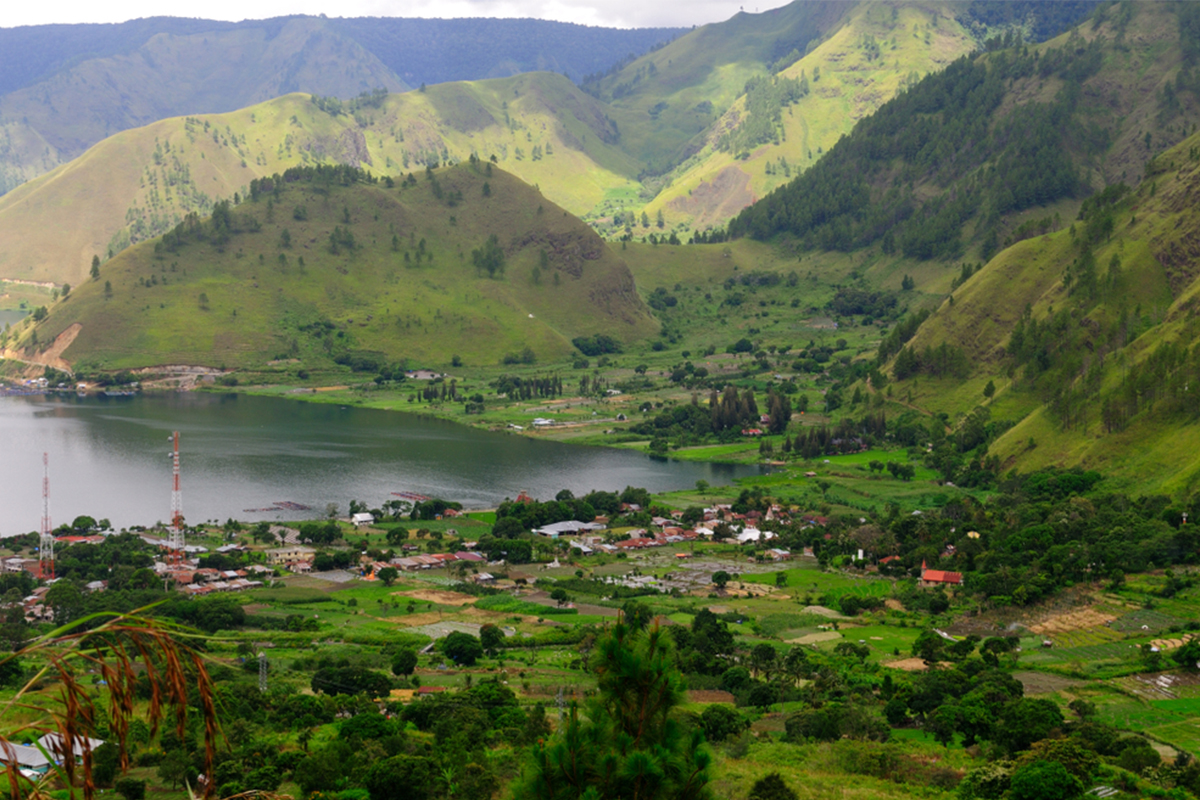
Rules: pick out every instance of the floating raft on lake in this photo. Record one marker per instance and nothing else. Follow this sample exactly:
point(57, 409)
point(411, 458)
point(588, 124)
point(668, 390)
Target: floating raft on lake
point(280, 505)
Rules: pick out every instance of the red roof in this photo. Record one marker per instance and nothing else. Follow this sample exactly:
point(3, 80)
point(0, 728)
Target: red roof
point(940, 575)
point(889, 559)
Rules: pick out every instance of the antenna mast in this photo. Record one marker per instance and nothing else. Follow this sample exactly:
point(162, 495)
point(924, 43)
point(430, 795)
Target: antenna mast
point(176, 538)
point(46, 541)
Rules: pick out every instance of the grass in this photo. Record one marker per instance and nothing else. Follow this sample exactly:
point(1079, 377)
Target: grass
point(252, 301)
point(850, 87)
point(123, 187)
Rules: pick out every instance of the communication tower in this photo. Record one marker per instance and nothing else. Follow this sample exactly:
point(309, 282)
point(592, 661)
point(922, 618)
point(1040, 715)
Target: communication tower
point(46, 541)
point(262, 671)
point(176, 539)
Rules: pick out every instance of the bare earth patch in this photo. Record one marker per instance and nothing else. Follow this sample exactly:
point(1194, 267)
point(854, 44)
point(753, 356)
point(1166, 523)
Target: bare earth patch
point(1041, 683)
point(416, 620)
point(439, 596)
point(702, 696)
point(1072, 621)
point(908, 664)
point(1170, 644)
point(824, 612)
point(813, 638)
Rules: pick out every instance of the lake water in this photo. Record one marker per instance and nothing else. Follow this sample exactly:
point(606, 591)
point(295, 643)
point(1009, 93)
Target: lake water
point(8, 317)
point(109, 458)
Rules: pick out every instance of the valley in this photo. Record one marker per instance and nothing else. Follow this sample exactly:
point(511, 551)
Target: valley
point(797, 406)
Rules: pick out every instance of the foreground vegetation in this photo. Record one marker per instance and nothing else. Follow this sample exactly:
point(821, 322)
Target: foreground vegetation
point(1067, 664)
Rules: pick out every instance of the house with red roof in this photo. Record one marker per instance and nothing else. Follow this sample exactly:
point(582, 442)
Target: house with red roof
point(939, 577)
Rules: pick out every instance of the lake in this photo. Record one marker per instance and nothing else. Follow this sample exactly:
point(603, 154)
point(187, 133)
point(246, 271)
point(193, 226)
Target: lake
point(109, 459)
point(11, 317)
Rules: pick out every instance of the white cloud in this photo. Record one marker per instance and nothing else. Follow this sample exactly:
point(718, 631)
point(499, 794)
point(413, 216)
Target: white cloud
point(615, 13)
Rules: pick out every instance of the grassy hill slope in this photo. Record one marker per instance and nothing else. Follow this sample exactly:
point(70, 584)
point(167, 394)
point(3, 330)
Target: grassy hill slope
point(65, 87)
point(956, 164)
point(1090, 336)
point(877, 51)
point(666, 98)
point(57, 118)
point(329, 264)
point(140, 183)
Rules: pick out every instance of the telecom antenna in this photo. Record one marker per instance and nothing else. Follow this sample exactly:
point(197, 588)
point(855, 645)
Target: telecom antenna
point(176, 540)
point(46, 541)
point(262, 672)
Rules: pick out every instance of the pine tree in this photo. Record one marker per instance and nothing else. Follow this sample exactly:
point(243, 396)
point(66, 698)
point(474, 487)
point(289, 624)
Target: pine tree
point(95, 267)
point(628, 744)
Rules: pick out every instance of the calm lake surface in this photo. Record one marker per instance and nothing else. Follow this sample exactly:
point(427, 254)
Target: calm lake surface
point(10, 317)
point(109, 458)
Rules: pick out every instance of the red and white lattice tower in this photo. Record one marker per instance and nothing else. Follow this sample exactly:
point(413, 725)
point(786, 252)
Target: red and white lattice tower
point(176, 539)
point(46, 541)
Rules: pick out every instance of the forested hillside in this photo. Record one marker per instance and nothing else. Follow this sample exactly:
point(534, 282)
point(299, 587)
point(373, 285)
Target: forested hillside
point(938, 171)
point(328, 264)
point(1079, 346)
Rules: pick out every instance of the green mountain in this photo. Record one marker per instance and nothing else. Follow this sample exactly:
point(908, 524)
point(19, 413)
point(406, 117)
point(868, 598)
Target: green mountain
point(64, 88)
point(57, 118)
point(1063, 174)
point(692, 131)
point(949, 168)
point(1088, 336)
point(797, 108)
point(140, 183)
point(328, 264)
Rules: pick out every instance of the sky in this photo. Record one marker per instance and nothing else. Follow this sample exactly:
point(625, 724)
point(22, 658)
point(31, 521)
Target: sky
point(609, 13)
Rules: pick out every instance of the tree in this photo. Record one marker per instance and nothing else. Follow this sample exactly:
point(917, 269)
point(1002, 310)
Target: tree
point(771, 787)
point(721, 721)
point(463, 648)
point(95, 267)
point(763, 658)
point(65, 600)
point(388, 575)
point(404, 662)
point(1044, 780)
point(1188, 656)
point(366, 725)
point(720, 578)
point(402, 777)
point(176, 768)
point(990, 390)
point(350, 680)
point(490, 257)
point(131, 788)
point(491, 637)
point(629, 743)
point(1025, 721)
point(560, 597)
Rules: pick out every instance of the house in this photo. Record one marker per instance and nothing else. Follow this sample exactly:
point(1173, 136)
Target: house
point(566, 528)
point(56, 746)
point(361, 519)
point(29, 760)
point(938, 577)
point(288, 555)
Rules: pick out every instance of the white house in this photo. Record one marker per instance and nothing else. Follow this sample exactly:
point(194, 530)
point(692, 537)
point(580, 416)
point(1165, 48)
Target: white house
point(361, 519)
